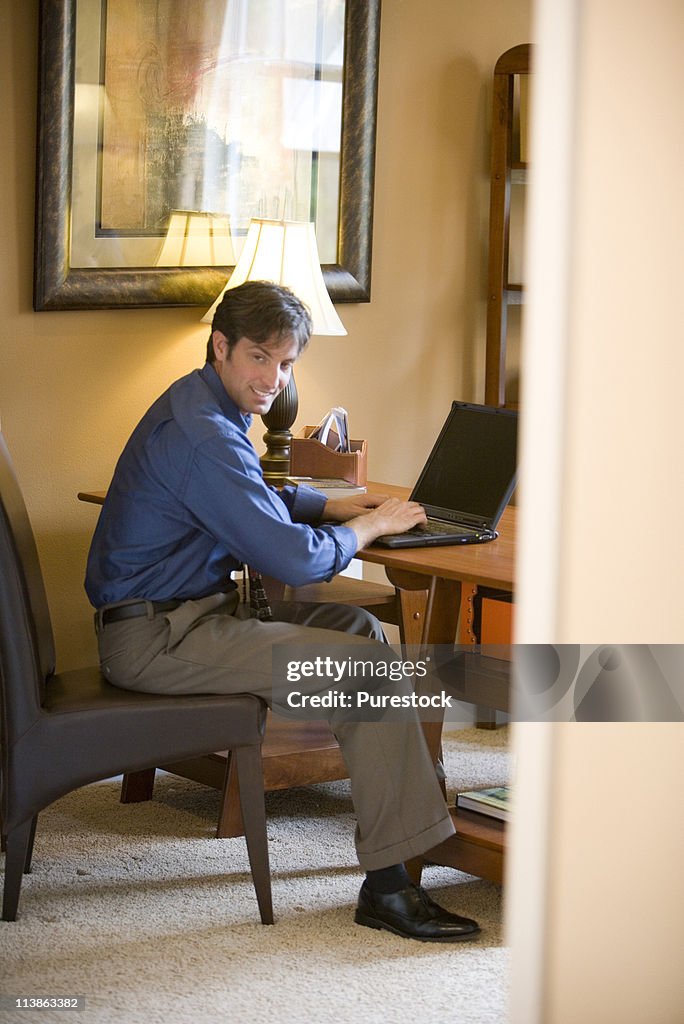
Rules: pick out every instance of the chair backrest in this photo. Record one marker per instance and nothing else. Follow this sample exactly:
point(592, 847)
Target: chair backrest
point(27, 651)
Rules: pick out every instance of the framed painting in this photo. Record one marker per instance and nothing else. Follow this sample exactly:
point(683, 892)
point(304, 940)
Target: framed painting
point(156, 113)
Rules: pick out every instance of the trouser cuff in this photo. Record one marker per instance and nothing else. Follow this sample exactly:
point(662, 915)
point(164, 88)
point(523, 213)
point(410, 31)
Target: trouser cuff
point(402, 851)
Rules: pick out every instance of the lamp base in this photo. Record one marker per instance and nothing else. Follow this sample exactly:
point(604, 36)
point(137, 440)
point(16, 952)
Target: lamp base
point(275, 462)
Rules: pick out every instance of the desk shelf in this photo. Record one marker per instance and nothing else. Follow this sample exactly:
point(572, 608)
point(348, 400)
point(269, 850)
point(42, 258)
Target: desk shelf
point(478, 847)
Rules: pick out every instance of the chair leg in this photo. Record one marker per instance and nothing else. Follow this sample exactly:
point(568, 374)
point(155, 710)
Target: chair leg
point(230, 814)
point(18, 847)
point(29, 848)
point(137, 786)
point(251, 782)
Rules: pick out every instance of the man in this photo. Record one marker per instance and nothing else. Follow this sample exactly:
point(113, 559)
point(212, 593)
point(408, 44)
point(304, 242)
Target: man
point(186, 507)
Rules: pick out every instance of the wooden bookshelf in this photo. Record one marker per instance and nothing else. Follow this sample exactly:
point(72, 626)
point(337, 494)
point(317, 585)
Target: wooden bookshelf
point(508, 168)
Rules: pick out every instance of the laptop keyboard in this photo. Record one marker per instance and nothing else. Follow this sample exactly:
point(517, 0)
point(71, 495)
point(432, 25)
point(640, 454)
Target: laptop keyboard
point(435, 526)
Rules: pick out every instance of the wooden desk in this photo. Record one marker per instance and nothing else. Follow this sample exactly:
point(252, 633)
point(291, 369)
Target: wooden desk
point(479, 844)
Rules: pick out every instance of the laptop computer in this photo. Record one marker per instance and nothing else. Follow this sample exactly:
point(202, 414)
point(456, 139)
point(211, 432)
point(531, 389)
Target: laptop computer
point(467, 480)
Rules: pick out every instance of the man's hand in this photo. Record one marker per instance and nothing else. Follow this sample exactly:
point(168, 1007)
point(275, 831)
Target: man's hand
point(391, 516)
point(341, 510)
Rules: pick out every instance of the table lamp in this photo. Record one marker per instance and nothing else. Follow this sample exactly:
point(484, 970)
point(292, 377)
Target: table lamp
point(284, 252)
point(197, 239)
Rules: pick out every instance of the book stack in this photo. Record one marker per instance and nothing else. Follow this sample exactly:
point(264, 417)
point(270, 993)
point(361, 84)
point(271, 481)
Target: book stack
point(331, 487)
point(495, 802)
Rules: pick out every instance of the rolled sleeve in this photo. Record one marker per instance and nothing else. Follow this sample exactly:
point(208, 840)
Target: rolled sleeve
point(305, 504)
point(347, 545)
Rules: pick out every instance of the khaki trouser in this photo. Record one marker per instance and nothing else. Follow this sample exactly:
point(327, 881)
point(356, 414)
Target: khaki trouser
point(211, 646)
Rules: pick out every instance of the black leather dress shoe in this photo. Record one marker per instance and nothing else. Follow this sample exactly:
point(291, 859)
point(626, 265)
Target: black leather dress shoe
point(412, 914)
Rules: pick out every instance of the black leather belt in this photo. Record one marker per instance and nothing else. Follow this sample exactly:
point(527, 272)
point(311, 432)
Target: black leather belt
point(134, 611)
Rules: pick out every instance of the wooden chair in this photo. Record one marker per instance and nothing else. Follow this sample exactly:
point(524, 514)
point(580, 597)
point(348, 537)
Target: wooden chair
point(60, 731)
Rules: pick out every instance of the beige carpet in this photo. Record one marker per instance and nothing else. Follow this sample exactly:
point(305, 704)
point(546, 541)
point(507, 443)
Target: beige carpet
point(139, 909)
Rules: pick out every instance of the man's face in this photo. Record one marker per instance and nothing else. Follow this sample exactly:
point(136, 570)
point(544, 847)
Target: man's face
point(253, 375)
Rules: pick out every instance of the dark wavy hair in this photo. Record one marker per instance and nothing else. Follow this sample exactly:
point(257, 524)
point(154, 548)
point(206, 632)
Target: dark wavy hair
point(260, 311)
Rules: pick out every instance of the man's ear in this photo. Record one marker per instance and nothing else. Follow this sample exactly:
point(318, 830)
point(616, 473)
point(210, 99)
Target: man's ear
point(220, 345)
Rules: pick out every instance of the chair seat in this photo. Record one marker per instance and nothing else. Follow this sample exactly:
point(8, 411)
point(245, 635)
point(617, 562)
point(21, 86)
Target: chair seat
point(105, 728)
point(86, 688)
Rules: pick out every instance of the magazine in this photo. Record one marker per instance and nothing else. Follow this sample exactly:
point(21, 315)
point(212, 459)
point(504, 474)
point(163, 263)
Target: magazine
point(495, 802)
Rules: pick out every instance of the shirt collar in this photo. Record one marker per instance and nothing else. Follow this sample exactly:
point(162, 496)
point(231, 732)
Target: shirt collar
point(228, 406)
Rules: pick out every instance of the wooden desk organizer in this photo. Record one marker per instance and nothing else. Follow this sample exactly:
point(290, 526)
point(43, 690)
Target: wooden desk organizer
point(311, 458)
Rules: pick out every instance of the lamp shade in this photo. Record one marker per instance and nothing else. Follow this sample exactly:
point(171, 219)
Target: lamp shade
point(285, 252)
point(197, 239)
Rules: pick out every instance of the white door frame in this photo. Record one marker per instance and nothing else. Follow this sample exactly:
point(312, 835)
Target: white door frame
point(548, 260)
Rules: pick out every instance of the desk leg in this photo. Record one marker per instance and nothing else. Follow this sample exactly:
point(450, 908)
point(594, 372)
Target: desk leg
point(439, 627)
point(442, 622)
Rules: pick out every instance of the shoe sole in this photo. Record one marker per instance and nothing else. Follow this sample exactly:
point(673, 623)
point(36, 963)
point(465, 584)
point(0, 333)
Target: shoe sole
point(372, 922)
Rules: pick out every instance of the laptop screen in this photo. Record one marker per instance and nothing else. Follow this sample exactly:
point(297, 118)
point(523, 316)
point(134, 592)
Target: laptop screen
point(472, 466)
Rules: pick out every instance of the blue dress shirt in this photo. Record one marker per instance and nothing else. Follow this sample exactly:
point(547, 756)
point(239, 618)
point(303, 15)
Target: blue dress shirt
point(188, 505)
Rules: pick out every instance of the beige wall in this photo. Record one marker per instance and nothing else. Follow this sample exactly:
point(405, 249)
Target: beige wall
point(73, 384)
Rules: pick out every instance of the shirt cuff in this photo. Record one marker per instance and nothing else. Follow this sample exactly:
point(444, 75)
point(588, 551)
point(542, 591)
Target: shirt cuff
point(305, 504)
point(346, 542)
